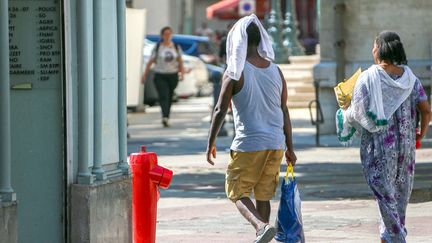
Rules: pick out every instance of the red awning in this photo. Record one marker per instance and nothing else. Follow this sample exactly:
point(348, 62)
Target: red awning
point(222, 7)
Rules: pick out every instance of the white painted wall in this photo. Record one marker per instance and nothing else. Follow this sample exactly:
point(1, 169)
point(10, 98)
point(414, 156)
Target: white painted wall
point(135, 32)
point(158, 14)
point(110, 147)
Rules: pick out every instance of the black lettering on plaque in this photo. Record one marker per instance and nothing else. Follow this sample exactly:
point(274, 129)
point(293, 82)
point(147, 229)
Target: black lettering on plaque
point(47, 27)
point(47, 9)
point(49, 72)
point(47, 41)
point(44, 78)
point(45, 53)
point(13, 47)
point(46, 21)
point(46, 47)
point(46, 34)
point(12, 15)
point(45, 59)
point(55, 53)
point(22, 72)
point(15, 66)
point(14, 59)
point(13, 9)
point(15, 53)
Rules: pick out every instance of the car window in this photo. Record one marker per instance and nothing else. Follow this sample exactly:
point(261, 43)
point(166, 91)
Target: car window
point(205, 48)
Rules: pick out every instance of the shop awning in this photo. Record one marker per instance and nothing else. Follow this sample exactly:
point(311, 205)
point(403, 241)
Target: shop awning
point(222, 8)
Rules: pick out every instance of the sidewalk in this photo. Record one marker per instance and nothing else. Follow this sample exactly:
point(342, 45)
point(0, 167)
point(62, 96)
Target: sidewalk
point(337, 204)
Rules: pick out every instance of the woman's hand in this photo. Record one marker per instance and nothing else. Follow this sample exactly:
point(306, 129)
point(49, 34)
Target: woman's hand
point(143, 78)
point(425, 115)
point(181, 74)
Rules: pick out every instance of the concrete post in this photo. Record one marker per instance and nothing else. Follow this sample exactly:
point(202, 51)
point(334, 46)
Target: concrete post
point(97, 54)
point(122, 109)
point(85, 90)
point(6, 191)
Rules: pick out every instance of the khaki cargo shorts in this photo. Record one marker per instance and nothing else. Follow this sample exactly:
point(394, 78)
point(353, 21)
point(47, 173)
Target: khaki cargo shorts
point(256, 172)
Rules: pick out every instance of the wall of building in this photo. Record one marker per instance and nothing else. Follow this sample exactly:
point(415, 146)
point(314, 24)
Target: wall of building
point(362, 22)
point(200, 16)
point(175, 14)
point(160, 13)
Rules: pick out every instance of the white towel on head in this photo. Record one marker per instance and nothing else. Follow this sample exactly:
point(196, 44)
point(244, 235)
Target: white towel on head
point(236, 46)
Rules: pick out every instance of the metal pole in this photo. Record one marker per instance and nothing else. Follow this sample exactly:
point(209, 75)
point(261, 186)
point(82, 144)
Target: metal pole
point(339, 44)
point(6, 191)
point(290, 31)
point(318, 12)
point(97, 54)
point(275, 32)
point(122, 109)
point(85, 90)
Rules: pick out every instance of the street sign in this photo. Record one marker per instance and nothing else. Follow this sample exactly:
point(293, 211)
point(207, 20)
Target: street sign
point(247, 7)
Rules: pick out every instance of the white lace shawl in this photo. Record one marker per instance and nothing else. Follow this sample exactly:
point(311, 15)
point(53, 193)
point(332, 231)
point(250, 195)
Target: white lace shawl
point(375, 98)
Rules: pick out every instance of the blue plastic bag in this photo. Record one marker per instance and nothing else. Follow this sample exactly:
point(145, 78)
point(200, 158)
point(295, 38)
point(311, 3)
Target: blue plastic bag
point(289, 220)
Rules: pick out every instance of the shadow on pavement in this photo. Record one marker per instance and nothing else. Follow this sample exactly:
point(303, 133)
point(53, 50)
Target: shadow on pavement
point(316, 181)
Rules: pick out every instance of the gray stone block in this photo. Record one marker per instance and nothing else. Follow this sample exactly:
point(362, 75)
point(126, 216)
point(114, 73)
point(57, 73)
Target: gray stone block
point(8, 222)
point(102, 212)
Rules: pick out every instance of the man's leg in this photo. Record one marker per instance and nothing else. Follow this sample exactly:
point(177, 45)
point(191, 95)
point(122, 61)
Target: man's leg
point(263, 208)
point(250, 213)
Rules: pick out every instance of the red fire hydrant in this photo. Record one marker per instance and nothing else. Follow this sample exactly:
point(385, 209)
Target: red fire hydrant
point(147, 178)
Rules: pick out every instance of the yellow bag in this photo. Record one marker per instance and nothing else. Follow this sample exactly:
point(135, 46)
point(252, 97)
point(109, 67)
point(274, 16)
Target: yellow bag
point(345, 89)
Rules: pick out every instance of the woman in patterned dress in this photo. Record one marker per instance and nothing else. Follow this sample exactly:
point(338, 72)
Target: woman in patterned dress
point(384, 111)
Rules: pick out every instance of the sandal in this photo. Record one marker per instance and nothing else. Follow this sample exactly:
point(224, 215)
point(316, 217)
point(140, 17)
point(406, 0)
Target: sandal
point(265, 234)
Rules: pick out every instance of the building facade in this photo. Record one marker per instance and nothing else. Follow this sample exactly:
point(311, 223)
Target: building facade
point(64, 175)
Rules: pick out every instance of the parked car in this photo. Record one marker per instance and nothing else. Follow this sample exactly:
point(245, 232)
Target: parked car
point(198, 46)
point(195, 79)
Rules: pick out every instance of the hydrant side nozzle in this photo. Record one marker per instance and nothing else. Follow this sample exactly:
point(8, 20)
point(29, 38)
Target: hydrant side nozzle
point(161, 176)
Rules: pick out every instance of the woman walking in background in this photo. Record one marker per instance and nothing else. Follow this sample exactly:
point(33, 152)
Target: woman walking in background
point(168, 70)
point(383, 110)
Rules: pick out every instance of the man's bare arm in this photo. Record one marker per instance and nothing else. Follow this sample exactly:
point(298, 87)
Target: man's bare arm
point(219, 114)
point(289, 154)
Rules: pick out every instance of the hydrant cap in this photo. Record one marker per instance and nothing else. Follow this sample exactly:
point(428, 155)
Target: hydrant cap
point(166, 179)
point(143, 148)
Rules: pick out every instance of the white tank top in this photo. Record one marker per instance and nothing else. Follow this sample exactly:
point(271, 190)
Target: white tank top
point(257, 111)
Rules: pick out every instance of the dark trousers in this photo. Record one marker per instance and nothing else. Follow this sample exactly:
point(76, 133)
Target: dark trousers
point(165, 85)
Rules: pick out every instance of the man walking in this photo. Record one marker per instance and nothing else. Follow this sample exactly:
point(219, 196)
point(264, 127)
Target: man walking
point(258, 93)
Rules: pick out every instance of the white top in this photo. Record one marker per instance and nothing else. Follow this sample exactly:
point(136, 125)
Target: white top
point(166, 59)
